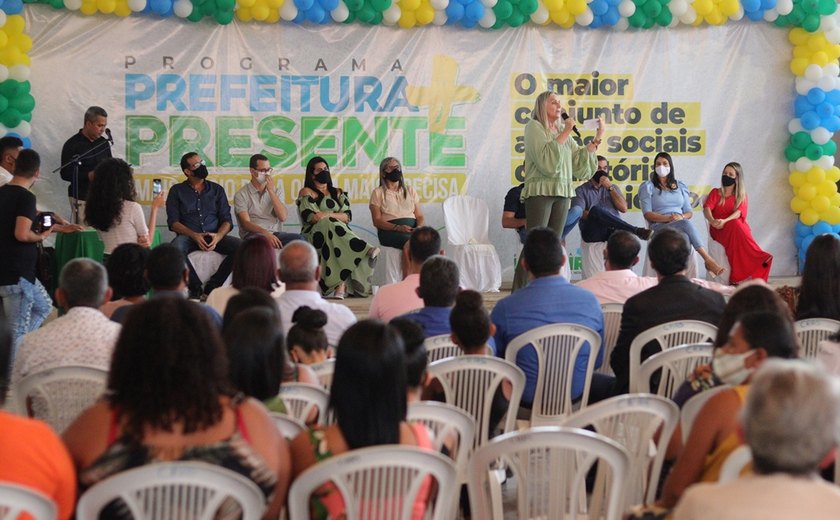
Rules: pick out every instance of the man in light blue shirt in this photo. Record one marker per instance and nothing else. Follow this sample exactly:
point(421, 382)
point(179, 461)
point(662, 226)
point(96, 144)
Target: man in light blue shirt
point(549, 298)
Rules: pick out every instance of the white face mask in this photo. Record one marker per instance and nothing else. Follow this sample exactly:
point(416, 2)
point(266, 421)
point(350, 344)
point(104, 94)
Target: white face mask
point(730, 368)
point(663, 171)
point(260, 177)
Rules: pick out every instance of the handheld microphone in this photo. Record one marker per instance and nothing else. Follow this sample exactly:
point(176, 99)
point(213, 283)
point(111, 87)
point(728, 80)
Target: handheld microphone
point(109, 137)
point(564, 115)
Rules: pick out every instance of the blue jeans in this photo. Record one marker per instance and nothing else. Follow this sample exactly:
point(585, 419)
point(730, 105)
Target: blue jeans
point(26, 305)
point(285, 238)
point(227, 246)
point(600, 224)
point(572, 218)
point(681, 225)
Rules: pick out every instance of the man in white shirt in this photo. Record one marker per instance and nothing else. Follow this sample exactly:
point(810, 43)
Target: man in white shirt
point(300, 271)
point(398, 298)
point(619, 282)
point(259, 207)
point(83, 336)
point(10, 147)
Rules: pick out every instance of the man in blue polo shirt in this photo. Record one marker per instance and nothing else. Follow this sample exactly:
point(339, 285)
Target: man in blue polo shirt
point(439, 277)
point(199, 212)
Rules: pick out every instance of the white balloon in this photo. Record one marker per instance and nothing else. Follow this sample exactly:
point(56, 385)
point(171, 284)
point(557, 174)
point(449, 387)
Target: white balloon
point(585, 18)
point(833, 35)
point(820, 135)
point(832, 69)
point(794, 126)
point(339, 14)
point(289, 11)
point(136, 5)
point(23, 129)
point(19, 72)
point(675, 21)
point(826, 83)
point(813, 72)
point(3, 130)
point(827, 23)
point(2, 18)
point(621, 25)
point(803, 85)
point(739, 14)
point(4, 73)
point(784, 7)
point(490, 3)
point(803, 164)
point(392, 15)
point(626, 8)
point(688, 16)
point(73, 5)
point(182, 8)
point(770, 15)
point(539, 17)
point(440, 18)
point(677, 7)
point(439, 5)
point(489, 19)
point(825, 162)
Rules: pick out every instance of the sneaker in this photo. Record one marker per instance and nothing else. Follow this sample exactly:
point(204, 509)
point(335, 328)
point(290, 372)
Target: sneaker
point(373, 254)
point(644, 233)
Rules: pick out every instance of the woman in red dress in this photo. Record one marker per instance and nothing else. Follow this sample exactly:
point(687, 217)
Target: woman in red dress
point(726, 211)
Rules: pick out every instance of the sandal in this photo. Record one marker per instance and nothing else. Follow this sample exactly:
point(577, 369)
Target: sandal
point(714, 268)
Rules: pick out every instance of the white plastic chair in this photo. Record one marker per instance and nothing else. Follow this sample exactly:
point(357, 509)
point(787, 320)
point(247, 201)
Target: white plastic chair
point(205, 263)
point(557, 348)
point(58, 395)
point(380, 482)
point(441, 347)
point(469, 383)
point(811, 331)
point(168, 490)
point(16, 500)
point(633, 421)
point(735, 463)
point(612, 326)
point(302, 398)
point(324, 370)
point(388, 266)
point(289, 426)
point(467, 221)
point(671, 334)
point(550, 466)
point(693, 406)
point(676, 363)
point(592, 257)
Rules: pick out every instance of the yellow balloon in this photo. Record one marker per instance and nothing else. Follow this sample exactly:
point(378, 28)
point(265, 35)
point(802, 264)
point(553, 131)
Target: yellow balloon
point(703, 7)
point(88, 8)
point(260, 12)
point(716, 17)
point(273, 16)
point(122, 9)
point(807, 192)
point(244, 14)
point(816, 42)
point(798, 36)
point(729, 7)
point(815, 175)
point(245, 3)
point(106, 6)
point(560, 17)
point(826, 188)
point(798, 66)
point(820, 58)
point(833, 51)
point(832, 216)
point(554, 5)
point(833, 174)
point(576, 7)
point(820, 203)
point(835, 199)
point(407, 20)
point(809, 217)
point(4, 40)
point(14, 24)
point(410, 5)
point(275, 4)
point(798, 205)
point(425, 14)
point(796, 179)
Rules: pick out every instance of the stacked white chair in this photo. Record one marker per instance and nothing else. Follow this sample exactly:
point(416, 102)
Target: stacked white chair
point(811, 331)
point(676, 363)
point(301, 399)
point(289, 427)
point(467, 220)
point(717, 252)
point(388, 266)
point(612, 326)
point(592, 257)
point(16, 500)
point(441, 347)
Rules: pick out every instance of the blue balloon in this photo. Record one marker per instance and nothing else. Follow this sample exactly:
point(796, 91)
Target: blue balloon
point(801, 229)
point(596, 22)
point(825, 110)
point(755, 16)
point(304, 5)
point(316, 14)
point(806, 243)
point(612, 17)
point(835, 228)
point(160, 6)
point(751, 5)
point(469, 24)
point(822, 227)
point(27, 142)
point(801, 105)
point(832, 124)
point(473, 12)
point(810, 120)
point(815, 96)
point(798, 241)
point(12, 6)
point(454, 12)
point(768, 4)
point(833, 97)
point(328, 5)
point(301, 17)
point(599, 7)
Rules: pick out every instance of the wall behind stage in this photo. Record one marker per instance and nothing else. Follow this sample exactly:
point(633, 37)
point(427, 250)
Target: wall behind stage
point(450, 103)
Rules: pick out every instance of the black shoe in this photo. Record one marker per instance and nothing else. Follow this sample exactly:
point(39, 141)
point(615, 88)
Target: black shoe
point(644, 233)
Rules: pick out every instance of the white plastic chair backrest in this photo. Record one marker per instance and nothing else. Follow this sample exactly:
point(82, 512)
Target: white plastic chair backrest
point(612, 325)
point(676, 363)
point(58, 395)
point(381, 482)
point(693, 406)
point(557, 347)
point(811, 331)
point(168, 490)
point(441, 347)
point(452, 428)
point(16, 500)
point(289, 426)
point(466, 219)
point(324, 370)
point(301, 398)
point(469, 382)
point(735, 464)
point(671, 334)
point(550, 466)
point(633, 421)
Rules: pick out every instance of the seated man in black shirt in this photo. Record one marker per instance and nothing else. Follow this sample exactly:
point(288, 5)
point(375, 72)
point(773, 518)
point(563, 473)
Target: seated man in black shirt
point(88, 140)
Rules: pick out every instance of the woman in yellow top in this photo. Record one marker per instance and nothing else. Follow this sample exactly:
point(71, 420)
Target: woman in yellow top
point(394, 206)
point(754, 338)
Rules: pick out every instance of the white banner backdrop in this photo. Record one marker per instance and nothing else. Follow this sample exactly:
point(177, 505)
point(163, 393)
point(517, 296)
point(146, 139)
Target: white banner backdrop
point(449, 103)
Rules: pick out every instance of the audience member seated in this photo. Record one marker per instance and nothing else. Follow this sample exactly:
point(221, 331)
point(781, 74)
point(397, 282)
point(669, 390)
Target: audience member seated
point(790, 422)
point(820, 285)
point(438, 287)
point(83, 336)
point(345, 259)
point(259, 206)
point(168, 274)
point(749, 297)
point(549, 298)
point(169, 398)
point(300, 271)
point(673, 298)
point(32, 454)
point(368, 398)
point(197, 210)
point(396, 299)
point(714, 435)
point(416, 358)
point(618, 282)
point(127, 276)
point(111, 208)
point(306, 341)
point(254, 265)
point(394, 206)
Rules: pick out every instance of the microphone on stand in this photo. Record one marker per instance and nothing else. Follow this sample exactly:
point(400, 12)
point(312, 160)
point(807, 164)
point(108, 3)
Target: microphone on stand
point(110, 138)
point(564, 115)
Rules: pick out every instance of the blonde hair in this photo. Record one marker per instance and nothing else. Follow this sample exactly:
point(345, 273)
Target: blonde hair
point(740, 189)
point(539, 113)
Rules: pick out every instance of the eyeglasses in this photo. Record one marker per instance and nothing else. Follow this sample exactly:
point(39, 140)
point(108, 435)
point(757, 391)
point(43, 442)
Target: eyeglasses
point(196, 165)
point(265, 171)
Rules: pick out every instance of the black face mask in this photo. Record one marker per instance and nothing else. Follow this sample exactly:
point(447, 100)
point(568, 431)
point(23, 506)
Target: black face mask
point(394, 175)
point(323, 176)
point(727, 181)
point(201, 172)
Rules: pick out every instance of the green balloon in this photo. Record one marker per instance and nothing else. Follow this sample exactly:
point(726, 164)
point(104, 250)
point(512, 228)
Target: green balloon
point(503, 9)
point(810, 6)
point(380, 5)
point(528, 7)
point(516, 19)
point(209, 9)
point(499, 24)
point(350, 18)
point(797, 15)
point(25, 87)
point(225, 5)
point(813, 151)
point(354, 5)
point(224, 17)
point(196, 15)
point(811, 23)
point(830, 148)
point(4, 104)
point(652, 9)
point(827, 7)
point(11, 117)
point(27, 117)
point(24, 103)
point(10, 88)
point(665, 18)
point(366, 14)
point(792, 153)
point(637, 19)
point(800, 139)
